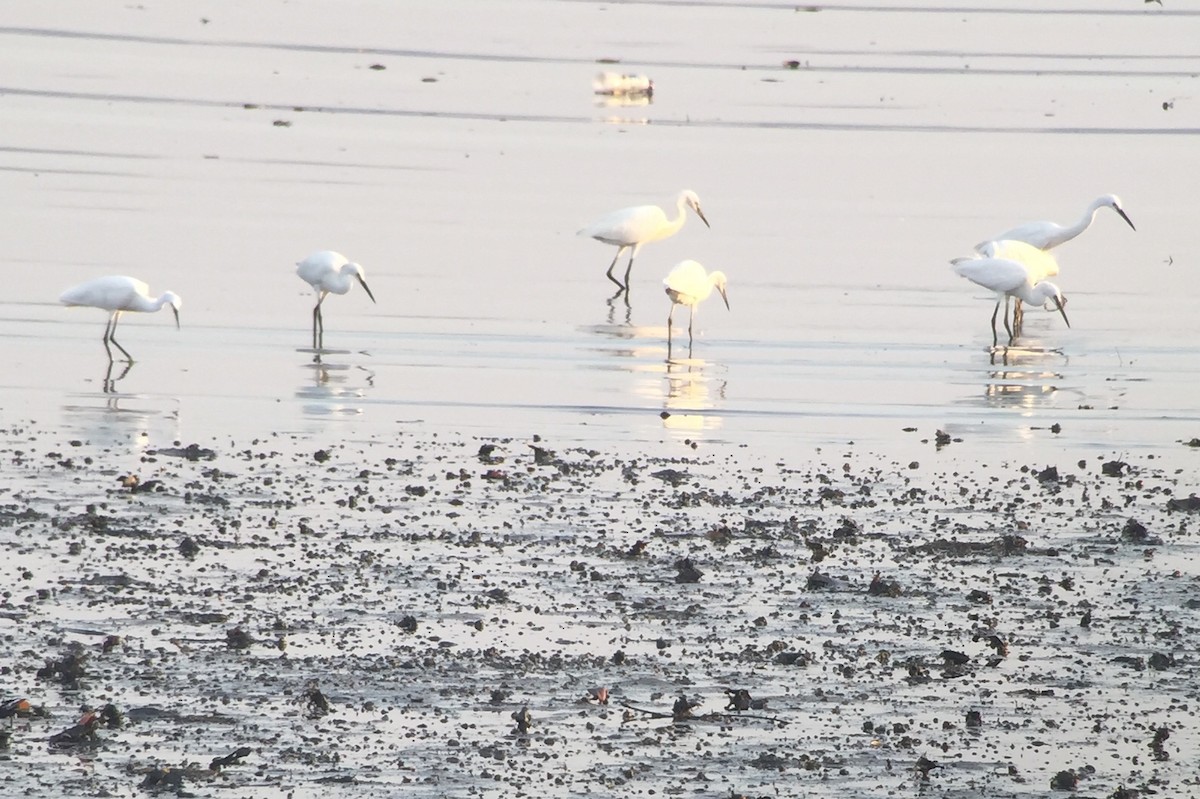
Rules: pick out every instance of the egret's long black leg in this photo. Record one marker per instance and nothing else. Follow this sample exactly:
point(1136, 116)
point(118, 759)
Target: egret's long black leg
point(111, 332)
point(629, 268)
point(613, 265)
point(996, 310)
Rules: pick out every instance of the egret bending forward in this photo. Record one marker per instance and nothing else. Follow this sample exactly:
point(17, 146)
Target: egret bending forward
point(633, 227)
point(1013, 271)
point(688, 284)
point(328, 273)
point(118, 294)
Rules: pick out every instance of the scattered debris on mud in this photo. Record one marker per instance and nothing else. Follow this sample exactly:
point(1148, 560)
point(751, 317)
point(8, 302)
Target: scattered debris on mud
point(453, 617)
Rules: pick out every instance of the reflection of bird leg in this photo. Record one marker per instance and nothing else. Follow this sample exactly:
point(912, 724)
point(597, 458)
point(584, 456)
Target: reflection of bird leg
point(629, 268)
point(110, 334)
point(670, 316)
point(110, 383)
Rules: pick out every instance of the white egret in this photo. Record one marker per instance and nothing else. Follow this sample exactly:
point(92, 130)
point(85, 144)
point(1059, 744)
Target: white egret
point(1009, 275)
point(118, 294)
point(633, 227)
point(689, 284)
point(328, 273)
point(1048, 235)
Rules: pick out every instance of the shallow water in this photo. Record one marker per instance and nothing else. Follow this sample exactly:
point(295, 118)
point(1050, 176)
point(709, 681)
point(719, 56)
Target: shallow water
point(207, 150)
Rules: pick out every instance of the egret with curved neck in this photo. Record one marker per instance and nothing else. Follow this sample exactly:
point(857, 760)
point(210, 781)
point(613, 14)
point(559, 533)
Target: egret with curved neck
point(630, 228)
point(1011, 276)
point(118, 294)
point(329, 272)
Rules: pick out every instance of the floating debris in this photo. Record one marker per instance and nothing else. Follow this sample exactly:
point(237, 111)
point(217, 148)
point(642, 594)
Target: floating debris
point(615, 84)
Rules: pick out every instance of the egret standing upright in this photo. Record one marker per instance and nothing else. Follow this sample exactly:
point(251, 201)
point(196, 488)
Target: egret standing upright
point(118, 294)
point(1015, 270)
point(329, 272)
point(688, 284)
point(633, 227)
point(1048, 235)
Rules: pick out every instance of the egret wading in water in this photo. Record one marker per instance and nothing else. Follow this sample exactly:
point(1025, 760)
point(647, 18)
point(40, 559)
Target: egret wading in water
point(689, 284)
point(118, 294)
point(1048, 235)
point(1012, 269)
point(328, 273)
point(633, 227)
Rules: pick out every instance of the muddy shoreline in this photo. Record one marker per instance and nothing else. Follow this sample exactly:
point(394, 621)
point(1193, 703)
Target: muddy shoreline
point(365, 617)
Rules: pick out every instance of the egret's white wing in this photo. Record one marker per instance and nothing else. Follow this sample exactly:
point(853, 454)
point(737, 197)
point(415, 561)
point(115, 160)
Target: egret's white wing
point(1040, 263)
point(996, 274)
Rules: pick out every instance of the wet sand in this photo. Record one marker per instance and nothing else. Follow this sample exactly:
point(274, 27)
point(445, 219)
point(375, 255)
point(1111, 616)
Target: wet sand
point(206, 151)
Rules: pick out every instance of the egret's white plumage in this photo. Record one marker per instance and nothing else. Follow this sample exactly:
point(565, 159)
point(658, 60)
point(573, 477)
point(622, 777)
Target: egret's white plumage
point(1013, 269)
point(118, 294)
point(689, 284)
point(328, 273)
point(633, 227)
point(1048, 235)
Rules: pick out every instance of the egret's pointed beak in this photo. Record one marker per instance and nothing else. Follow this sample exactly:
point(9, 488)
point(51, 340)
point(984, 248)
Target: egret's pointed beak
point(176, 312)
point(725, 297)
point(366, 289)
point(1124, 215)
point(700, 214)
point(1062, 310)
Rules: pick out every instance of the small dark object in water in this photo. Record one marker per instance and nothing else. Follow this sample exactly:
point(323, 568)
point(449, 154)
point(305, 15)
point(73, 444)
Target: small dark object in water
point(230, 759)
point(638, 548)
point(1191, 503)
point(162, 778)
point(974, 718)
point(237, 638)
point(682, 709)
point(882, 587)
point(599, 694)
point(408, 624)
point(979, 597)
point(1113, 469)
point(1064, 781)
point(924, 765)
point(1160, 661)
point(1156, 746)
point(318, 704)
point(739, 699)
point(1136, 532)
point(524, 720)
point(618, 657)
point(541, 455)
point(941, 439)
point(1048, 475)
point(687, 571)
point(672, 476)
point(111, 717)
point(189, 548)
point(84, 732)
point(68, 669)
point(955, 658)
point(1085, 621)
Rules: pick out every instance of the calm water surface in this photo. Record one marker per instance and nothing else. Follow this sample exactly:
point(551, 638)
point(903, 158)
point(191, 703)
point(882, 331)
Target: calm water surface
point(208, 155)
